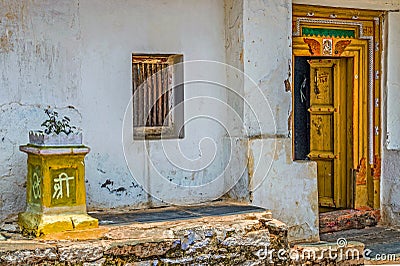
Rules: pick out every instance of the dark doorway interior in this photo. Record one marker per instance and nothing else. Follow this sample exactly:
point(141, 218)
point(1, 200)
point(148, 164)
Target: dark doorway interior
point(301, 105)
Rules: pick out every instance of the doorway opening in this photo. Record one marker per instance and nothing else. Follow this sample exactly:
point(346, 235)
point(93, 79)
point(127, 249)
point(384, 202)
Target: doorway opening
point(323, 100)
point(336, 102)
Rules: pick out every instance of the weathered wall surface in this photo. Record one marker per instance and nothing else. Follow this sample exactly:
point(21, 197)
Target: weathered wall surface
point(75, 56)
point(267, 60)
point(234, 40)
point(287, 188)
point(234, 43)
point(393, 82)
point(390, 179)
point(40, 62)
point(111, 32)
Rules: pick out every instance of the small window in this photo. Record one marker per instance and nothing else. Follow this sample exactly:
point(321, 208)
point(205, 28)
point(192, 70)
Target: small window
point(157, 96)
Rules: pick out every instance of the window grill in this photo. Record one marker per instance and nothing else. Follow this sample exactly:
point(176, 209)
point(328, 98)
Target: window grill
point(157, 89)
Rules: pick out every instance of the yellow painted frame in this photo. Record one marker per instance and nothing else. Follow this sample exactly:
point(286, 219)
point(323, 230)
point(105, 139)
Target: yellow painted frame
point(366, 44)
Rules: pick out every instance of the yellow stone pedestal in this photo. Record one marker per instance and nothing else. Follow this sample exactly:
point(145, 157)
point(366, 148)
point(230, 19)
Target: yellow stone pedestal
point(55, 190)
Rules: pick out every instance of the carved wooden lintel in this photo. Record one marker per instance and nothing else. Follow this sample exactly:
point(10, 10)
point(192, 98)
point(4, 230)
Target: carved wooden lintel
point(314, 46)
point(340, 46)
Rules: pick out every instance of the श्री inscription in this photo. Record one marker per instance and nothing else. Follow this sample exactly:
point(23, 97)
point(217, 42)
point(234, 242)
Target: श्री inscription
point(36, 191)
point(58, 185)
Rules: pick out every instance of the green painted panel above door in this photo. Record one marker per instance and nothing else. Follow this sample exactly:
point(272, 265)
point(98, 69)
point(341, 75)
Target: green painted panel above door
point(326, 32)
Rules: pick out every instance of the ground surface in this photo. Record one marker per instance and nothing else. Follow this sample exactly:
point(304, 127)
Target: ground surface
point(127, 232)
point(381, 241)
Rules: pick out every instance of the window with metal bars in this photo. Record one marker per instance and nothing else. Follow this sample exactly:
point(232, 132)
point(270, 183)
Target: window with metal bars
point(157, 82)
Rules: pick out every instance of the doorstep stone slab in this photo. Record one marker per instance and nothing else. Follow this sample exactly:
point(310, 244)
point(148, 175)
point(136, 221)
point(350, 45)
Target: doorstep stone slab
point(347, 219)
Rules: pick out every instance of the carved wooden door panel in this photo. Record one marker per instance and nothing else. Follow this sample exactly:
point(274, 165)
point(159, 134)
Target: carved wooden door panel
point(328, 125)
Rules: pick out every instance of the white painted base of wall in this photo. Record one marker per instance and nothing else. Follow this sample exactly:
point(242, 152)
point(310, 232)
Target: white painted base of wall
point(289, 189)
point(390, 187)
point(390, 177)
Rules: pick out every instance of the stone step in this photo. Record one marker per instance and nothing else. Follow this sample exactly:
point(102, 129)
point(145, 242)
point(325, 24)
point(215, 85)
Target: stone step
point(231, 239)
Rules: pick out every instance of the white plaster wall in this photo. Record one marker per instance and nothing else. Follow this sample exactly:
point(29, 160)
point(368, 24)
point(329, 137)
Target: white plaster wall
point(287, 188)
point(39, 66)
point(267, 60)
point(111, 32)
point(234, 43)
point(76, 56)
point(390, 179)
point(393, 81)
point(390, 188)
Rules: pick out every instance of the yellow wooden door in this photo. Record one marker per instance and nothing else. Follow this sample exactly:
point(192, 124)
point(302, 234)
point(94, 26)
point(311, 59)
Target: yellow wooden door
point(329, 110)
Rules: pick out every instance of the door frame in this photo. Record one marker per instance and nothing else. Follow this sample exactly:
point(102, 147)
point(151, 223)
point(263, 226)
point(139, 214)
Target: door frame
point(365, 50)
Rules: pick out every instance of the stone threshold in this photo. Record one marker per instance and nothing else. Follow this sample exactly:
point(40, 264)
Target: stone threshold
point(348, 219)
point(221, 208)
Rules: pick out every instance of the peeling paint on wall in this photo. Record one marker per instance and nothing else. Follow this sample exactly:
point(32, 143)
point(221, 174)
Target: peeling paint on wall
point(361, 178)
point(16, 119)
point(288, 87)
point(38, 69)
point(376, 171)
point(250, 164)
point(290, 188)
point(11, 14)
point(6, 44)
